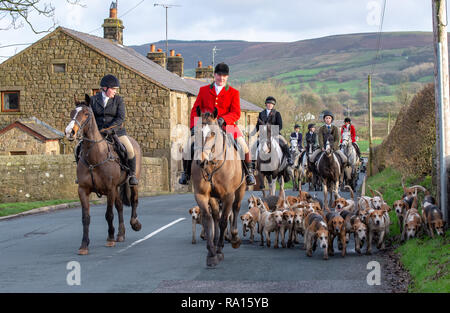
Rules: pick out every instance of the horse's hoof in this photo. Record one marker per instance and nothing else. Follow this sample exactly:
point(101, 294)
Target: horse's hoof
point(236, 244)
point(120, 238)
point(220, 256)
point(110, 243)
point(83, 251)
point(136, 226)
point(212, 261)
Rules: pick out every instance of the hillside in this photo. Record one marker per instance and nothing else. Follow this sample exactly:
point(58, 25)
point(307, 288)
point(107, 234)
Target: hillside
point(326, 66)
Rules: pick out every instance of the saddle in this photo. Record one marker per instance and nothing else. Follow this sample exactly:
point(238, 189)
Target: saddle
point(112, 138)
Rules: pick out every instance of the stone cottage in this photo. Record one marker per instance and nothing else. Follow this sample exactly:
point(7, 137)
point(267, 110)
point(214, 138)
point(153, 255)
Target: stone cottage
point(42, 80)
point(30, 136)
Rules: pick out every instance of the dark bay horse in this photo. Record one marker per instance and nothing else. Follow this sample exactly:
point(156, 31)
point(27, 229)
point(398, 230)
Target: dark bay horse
point(219, 184)
point(329, 170)
point(98, 170)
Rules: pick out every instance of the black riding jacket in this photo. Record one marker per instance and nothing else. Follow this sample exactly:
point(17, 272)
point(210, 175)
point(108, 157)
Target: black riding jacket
point(111, 115)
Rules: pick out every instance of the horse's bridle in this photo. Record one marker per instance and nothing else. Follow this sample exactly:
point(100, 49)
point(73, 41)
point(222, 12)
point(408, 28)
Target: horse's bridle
point(208, 176)
point(82, 138)
point(81, 126)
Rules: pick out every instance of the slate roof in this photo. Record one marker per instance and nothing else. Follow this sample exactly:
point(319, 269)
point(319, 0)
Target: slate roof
point(133, 60)
point(36, 128)
point(245, 105)
point(142, 65)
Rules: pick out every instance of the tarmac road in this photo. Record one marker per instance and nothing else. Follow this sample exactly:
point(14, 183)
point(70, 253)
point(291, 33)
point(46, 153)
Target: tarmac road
point(35, 251)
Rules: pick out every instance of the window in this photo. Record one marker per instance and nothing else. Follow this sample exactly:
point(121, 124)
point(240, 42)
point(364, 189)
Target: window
point(17, 153)
point(10, 101)
point(59, 68)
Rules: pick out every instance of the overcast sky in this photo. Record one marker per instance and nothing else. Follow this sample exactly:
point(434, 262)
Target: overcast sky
point(250, 20)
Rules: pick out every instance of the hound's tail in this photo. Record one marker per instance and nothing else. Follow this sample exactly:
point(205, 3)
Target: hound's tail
point(351, 192)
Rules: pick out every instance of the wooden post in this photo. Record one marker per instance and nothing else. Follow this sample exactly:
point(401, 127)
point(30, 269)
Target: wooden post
point(370, 123)
point(441, 83)
point(389, 124)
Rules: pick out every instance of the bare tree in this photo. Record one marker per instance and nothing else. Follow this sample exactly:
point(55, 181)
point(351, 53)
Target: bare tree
point(16, 12)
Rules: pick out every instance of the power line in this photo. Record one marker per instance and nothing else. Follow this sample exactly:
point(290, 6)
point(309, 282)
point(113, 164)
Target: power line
point(128, 11)
point(379, 38)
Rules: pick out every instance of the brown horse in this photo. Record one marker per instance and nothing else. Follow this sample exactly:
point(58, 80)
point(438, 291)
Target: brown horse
point(99, 171)
point(218, 181)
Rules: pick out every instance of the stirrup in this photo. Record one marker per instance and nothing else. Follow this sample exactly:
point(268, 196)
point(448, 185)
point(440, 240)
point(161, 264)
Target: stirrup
point(250, 180)
point(133, 180)
point(184, 179)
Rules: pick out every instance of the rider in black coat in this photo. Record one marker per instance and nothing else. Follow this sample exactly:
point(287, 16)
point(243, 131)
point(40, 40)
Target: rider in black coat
point(272, 116)
point(109, 113)
point(297, 135)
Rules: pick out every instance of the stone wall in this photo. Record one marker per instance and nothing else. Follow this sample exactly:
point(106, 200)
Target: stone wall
point(43, 177)
point(18, 140)
point(49, 96)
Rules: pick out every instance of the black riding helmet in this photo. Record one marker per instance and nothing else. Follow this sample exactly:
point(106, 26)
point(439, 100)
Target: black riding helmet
point(311, 126)
point(222, 69)
point(328, 113)
point(110, 81)
point(271, 99)
point(296, 126)
point(347, 119)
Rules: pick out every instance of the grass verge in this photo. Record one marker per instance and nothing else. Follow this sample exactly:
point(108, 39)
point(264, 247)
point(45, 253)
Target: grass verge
point(19, 207)
point(427, 260)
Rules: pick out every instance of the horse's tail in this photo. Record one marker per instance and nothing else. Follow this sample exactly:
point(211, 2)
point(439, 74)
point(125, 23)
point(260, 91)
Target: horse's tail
point(125, 194)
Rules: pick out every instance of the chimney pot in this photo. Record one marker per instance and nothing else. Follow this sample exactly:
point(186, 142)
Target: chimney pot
point(199, 64)
point(159, 50)
point(152, 48)
point(172, 53)
point(178, 54)
point(209, 66)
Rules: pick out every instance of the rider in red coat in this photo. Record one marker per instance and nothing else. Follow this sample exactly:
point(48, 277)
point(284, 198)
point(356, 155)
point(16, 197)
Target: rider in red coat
point(227, 103)
point(226, 99)
point(349, 127)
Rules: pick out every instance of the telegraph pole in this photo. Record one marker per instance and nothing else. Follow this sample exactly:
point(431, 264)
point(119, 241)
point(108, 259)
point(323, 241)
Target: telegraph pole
point(441, 87)
point(369, 95)
point(214, 50)
point(166, 6)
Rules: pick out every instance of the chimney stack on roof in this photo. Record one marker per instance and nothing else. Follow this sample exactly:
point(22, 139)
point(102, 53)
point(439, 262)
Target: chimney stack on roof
point(175, 63)
point(159, 57)
point(203, 72)
point(112, 26)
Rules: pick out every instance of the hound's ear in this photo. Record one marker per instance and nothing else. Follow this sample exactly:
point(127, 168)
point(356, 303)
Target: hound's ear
point(87, 99)
point(242, 217)
point(190, 211)
point(334, 204)
point(199, 111)
point(215, 112)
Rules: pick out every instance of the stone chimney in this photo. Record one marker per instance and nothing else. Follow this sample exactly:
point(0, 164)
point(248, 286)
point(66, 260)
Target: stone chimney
point(175, 63)
point(112, 26)
point(204, 72)
point(159, 57)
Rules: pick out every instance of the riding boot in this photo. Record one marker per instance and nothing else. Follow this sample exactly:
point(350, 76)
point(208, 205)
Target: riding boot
point(133, 179)
point(186, 175)
point(250, 179)
point(287, 153)
point(358, 152)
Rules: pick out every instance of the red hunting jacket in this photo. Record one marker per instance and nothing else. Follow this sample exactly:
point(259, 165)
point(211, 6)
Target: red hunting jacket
point(352, 132)
point(227, 103)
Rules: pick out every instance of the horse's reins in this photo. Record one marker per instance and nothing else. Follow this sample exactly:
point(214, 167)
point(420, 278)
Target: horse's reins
point(208, 176)
point(91, 167)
